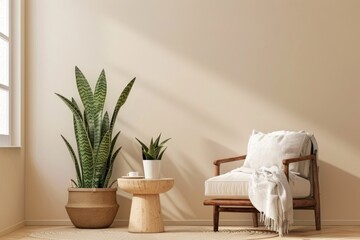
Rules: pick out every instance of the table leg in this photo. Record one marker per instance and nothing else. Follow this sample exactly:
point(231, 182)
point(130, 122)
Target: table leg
point(145, 214)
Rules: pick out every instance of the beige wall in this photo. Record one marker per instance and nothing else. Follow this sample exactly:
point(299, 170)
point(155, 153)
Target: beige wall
point(208, 73)
point(12, 213)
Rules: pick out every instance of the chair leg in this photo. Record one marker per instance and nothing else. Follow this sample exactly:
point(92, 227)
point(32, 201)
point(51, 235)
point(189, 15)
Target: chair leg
point(216, 218)
point(317, 218)
point(255, 219)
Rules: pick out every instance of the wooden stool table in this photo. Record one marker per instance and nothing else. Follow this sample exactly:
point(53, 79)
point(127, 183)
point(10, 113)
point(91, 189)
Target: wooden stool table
point(145, 214)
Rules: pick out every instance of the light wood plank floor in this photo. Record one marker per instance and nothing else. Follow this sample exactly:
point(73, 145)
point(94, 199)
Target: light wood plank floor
point(304, 233)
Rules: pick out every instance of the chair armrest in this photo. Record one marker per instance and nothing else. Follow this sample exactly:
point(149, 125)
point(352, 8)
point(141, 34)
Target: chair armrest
point(218, 162)
point(286, 162)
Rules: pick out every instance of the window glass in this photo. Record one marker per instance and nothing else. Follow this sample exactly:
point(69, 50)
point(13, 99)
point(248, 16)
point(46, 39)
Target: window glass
point(4, 17)
point(4, 62)
point(4, 112)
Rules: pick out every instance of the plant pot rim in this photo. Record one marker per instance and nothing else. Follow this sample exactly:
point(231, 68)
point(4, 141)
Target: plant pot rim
point(74, 189)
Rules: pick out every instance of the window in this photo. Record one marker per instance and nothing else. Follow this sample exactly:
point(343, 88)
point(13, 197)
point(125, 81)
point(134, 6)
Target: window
point(10, 71)
point(4, 70)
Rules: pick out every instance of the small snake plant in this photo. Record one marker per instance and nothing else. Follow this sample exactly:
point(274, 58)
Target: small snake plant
point(93, 132)
point(155, 149)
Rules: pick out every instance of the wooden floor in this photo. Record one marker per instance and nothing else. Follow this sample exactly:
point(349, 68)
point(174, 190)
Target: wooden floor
point(304, 233)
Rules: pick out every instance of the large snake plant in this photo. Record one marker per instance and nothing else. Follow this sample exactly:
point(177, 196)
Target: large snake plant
point(93, 132)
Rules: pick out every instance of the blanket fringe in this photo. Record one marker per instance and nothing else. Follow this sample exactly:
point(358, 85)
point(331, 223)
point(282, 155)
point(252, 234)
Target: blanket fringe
point(273, 225)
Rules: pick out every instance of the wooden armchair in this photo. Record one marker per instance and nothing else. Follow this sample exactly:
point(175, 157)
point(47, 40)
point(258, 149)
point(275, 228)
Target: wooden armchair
point(310, 202)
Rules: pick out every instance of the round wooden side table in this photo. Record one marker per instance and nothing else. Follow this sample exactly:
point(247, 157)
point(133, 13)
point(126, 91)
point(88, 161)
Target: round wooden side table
point(145, 214)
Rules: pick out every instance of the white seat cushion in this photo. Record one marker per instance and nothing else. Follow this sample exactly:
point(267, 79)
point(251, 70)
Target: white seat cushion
point(234, 185)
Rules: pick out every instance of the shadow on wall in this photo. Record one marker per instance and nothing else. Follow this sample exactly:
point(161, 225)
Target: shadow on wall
point(336, 184)
point(275, 55)
point(182, 203)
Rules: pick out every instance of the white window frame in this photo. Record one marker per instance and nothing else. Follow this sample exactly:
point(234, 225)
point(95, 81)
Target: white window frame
point(16, 73)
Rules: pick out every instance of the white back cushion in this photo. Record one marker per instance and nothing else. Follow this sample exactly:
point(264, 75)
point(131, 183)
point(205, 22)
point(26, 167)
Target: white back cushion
point(266, 150)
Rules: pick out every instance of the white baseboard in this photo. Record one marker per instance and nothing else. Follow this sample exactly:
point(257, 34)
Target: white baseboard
point(196, 222)
point(11, 228)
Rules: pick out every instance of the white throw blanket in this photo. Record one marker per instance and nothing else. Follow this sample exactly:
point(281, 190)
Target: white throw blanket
point(270, 193)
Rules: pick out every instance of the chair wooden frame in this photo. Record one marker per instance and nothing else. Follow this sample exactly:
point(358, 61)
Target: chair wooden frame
point(244, 205)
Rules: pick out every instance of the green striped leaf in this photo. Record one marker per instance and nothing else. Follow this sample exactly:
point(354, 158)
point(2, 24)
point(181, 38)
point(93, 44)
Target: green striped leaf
point(90, 133)
point(105, 124)
point(152, 148)
point(113, 141)
point(143, 145)
point(100, 159)
point(76, 105)
point(100, 92)
point(111, 158)
point(163, 142)
point(110, 167)
point(157, 140)
point(87, 98)
point(80, 162)
point(97, 130)
point(99, 101)
point(73, 107)
point(161, 154)
point(121, 100)
point(84, 151)
point(84, 90)
point(74, 158)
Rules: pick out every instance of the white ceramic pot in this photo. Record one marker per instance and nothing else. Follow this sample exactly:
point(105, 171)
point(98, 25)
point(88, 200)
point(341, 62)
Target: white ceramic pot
point(152, 169)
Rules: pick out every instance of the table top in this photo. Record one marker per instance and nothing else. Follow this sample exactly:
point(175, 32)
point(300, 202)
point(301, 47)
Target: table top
point(145, 186)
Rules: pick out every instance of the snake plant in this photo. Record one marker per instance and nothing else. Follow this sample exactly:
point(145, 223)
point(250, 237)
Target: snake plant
point(93, 132)
point(155, 149)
